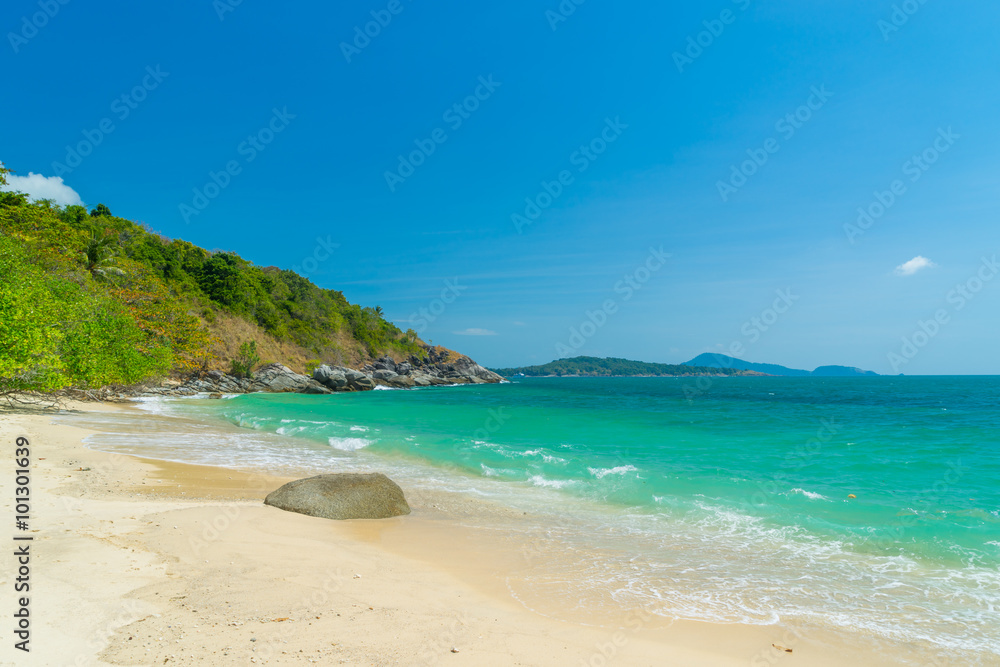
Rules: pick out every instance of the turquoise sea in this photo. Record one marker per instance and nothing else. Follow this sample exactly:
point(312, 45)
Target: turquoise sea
point(862, 504)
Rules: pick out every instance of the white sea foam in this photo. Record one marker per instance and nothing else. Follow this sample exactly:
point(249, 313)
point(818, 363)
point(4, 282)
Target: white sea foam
point(349, 444)
point(538, 480)
point(601, 473)
point(155, 404)
point(359, 428)
point(548, 458)
point(810, 495)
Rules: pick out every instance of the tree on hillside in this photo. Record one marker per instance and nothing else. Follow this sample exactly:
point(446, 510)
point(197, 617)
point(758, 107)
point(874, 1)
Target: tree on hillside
point(247, 359)
point(101, 211)
point(98, 255)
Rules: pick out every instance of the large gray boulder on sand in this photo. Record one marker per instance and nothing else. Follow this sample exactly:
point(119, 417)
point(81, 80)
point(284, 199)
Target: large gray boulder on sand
point(341, 496)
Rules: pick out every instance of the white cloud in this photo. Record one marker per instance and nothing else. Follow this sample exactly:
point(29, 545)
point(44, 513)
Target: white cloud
point(38, 187)
point(918, 263)
point(475, 332)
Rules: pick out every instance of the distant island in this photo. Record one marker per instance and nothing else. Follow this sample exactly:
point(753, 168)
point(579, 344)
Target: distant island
point(704, 364)
point(612, 367)
point(712, 360)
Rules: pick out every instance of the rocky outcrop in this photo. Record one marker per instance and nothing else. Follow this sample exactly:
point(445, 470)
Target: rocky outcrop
point(436, 368)
point(273, 378)
point(342, 496)
point(328, 377)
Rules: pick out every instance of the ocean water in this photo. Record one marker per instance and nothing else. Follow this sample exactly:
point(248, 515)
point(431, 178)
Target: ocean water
point(869, 505)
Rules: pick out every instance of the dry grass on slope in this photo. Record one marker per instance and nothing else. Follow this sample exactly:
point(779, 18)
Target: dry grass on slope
point(229, 332)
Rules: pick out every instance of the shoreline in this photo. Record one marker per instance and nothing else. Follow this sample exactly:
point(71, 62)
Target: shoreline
point(187, 560)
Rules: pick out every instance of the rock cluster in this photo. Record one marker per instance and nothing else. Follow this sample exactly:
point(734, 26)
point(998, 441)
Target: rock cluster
point(273, 378)
point(436, 369)
point(414, 372)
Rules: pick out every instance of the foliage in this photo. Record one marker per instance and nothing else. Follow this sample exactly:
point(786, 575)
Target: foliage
point(611, 367)
point(246, 360)
point(99, 253)
point(29, 331)
point(89, 299)
point(104, 345)
point(55, 332)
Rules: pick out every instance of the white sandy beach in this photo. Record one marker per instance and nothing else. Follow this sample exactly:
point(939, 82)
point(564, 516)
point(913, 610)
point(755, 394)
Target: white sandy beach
point(139, 562)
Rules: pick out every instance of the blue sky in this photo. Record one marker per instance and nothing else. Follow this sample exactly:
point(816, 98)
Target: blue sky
point(641, 136)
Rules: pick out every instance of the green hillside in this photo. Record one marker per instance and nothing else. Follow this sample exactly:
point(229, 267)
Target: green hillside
point(610, 367)
point(89, 299)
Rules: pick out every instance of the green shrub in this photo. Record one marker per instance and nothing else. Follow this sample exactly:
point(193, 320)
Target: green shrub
point(29, 325)
point(246, 360)
point(104, 345)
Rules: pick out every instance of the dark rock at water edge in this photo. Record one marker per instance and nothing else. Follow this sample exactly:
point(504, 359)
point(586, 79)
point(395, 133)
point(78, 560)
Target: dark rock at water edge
point(416, 372)
point(342, 496)
point(273, 378)
point(325, 379)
